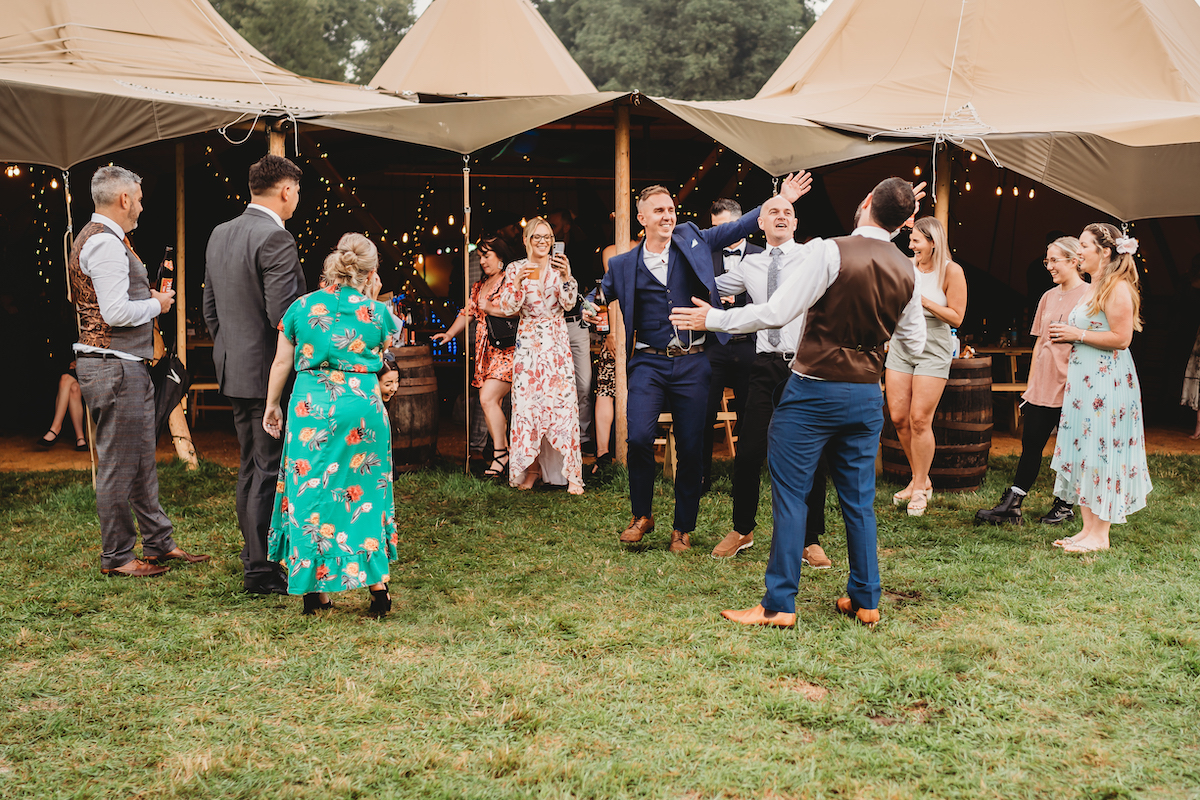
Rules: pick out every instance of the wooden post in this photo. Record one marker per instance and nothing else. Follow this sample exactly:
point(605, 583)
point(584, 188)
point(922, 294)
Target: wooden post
point(467, 332)
point(621, 225)
point(941, 191)
point(181, 436)
point(275, 139)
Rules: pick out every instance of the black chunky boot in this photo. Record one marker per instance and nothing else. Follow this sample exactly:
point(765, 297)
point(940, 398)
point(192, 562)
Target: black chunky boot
point(1008, 510)
point(1059, 512)
point(313, 604)
point(381, 603)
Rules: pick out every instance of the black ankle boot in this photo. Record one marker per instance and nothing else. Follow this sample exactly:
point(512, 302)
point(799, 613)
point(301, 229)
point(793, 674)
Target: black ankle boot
point(1008, 510)
point(381, 603)
point(1059, 512)
point(313, 604)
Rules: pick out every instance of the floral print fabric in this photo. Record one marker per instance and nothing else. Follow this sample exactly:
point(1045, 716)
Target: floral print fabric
point(545, 409)
point(334, 518)
point(1100, 452)
point(490, 361)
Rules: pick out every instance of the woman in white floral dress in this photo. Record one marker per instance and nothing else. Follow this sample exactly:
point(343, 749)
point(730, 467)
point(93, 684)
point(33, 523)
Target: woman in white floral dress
point(544, 434)
point(1100, 452)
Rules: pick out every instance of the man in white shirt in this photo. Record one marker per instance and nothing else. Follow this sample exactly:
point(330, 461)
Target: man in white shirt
point(117, 308)
point(759, 275)
point(732, 360)
point(856, 293)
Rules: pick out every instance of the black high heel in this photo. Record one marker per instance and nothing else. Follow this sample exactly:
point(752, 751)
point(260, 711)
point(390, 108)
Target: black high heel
point(498, 457)
point(381, 602)
point(313, 604)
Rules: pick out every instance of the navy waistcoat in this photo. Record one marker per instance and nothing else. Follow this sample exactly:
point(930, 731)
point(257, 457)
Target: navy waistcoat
point(655, 301)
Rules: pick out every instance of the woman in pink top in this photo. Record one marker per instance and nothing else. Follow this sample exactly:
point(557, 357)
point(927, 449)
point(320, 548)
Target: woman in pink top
point(1047, 377)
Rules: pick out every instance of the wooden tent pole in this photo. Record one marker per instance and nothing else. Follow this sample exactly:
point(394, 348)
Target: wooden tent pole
point(177, 421)
point(466, 175)
point(941, 190)
point(621, 226)
point(275, 139)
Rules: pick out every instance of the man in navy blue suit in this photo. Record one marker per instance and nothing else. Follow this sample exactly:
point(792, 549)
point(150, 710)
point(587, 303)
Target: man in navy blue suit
point(857, 292)
point(668, 368)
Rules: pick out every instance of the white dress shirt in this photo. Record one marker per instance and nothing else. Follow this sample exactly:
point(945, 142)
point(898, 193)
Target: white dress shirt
point(731, 261)
point(817, 266)
point(278, 219)
point(657, 264)
point(749, 275)
point(105, 260)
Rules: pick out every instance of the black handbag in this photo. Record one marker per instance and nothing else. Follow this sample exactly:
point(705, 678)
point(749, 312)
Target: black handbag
point(502, 331)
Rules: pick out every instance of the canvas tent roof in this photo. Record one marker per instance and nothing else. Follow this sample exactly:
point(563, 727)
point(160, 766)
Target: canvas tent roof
point(489, 48)
point(1099, 99)
point(81, 78)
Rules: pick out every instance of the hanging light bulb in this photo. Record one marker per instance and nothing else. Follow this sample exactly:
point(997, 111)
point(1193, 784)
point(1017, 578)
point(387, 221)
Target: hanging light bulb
point(404, 238)
point(999, 191)
point(917, 170)
point(968, 186)
point(451, 220)
point(435, 230)
point(54, 183)
point(972, 156)
point(1016, 191)
point(1031, 194)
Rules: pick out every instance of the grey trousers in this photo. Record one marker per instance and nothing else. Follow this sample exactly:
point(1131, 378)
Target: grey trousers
point(259, 470)
point(120, 398)
point(580, 336)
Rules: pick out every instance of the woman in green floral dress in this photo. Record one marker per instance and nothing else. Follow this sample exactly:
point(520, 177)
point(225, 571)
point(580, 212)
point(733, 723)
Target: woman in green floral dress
point(334, 521)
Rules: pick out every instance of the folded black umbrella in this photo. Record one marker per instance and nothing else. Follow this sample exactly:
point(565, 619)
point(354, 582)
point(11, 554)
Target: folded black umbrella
point(171, 382)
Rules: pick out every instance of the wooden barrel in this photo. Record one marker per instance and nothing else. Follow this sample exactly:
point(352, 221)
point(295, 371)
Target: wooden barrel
point(414, 409)
point(962, 428)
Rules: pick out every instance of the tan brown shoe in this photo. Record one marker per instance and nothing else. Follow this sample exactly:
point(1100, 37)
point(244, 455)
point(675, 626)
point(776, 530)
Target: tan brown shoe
point(178, 554)
point(865, 616)
point(135, 569)
point(732, 544)
point(760, 616)
point(638, 528)
point(680, 542)
point(815, 557)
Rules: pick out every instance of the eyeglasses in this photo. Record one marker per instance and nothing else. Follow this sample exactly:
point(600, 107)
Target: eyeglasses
point(541, 237)
point(1046, 262)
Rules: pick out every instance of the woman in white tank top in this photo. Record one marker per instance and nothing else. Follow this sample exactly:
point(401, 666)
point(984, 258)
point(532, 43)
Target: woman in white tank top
point(915, 381)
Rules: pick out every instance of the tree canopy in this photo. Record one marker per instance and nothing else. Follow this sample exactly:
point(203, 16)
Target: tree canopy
point(689, 49)
point(345, 40)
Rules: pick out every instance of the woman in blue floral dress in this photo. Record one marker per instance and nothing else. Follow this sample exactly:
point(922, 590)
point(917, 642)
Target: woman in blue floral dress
point(1100, 453)
point(334, 521)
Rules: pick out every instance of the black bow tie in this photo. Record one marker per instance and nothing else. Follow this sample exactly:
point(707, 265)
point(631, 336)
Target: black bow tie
point(727, 253)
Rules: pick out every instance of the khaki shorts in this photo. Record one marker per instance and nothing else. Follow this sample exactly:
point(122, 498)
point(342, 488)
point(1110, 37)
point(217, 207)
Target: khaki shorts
point(934, 361)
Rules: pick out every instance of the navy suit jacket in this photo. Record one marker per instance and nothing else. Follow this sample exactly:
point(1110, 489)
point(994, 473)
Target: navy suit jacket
point(694, 247)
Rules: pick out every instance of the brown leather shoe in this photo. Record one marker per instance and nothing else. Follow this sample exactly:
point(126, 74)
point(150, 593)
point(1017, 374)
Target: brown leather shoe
point(177, 554)
point(135, 569)
point(680, 542)
point(865, 616)
point(760, 616)
point(638, 528)
point(732, 544)
point(815, 557)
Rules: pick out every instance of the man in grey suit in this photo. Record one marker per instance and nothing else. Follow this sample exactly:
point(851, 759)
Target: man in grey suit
point(252, 276)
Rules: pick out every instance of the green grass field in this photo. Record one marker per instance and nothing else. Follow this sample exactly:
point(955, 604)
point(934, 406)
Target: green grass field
point(529, 656)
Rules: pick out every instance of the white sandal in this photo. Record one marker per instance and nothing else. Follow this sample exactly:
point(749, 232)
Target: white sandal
point(919, 502)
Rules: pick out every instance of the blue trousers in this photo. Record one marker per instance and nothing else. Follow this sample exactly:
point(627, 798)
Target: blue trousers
point(849, 418)
point(679, 385)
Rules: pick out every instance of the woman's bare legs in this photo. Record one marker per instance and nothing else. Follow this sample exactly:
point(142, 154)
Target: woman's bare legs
point(1196, 433)
point(68, 399)
point(926, 393)
point(1094, 535)
point(605, 411)
point(491, 395)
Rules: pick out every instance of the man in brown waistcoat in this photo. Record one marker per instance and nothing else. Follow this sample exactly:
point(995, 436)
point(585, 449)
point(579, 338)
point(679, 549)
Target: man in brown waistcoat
point(116, 309)
point(857, 291)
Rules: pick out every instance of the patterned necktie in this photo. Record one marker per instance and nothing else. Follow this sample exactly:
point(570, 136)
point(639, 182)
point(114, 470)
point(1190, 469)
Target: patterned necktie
point(772, 285)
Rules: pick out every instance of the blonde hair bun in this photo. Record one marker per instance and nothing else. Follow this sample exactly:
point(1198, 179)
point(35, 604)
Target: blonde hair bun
point(352, 263)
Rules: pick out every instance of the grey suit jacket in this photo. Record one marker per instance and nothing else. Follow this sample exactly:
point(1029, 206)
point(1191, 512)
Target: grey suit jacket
point(252, 275)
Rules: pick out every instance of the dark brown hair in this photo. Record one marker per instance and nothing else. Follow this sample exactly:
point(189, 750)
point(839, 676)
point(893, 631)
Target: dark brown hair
point(892, 202)
point(270, 171)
